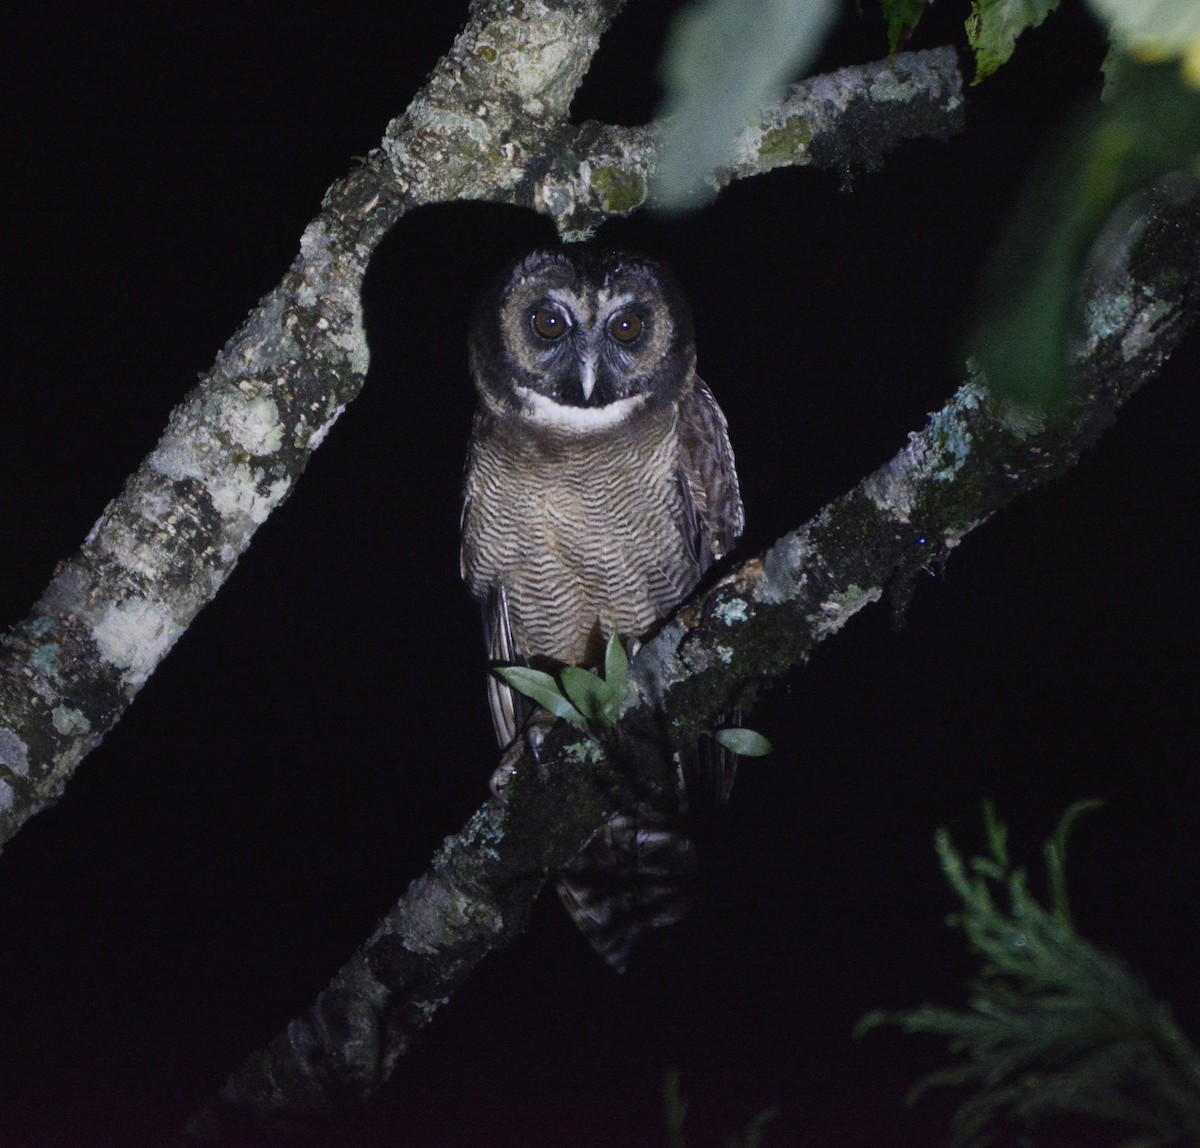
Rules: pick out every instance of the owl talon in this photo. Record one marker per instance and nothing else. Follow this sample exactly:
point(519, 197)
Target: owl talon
point(501, 776)
point(535, 735)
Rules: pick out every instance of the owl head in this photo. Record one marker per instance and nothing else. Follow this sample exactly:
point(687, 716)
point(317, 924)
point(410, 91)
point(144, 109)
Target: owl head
point(583, 340)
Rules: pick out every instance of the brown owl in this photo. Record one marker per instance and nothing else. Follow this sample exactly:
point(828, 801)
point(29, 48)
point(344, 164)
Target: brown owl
point(600, 487)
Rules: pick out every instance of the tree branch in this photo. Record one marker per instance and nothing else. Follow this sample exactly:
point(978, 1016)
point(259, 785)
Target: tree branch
point(581, 175)
point(491, 123)
point(975, 456)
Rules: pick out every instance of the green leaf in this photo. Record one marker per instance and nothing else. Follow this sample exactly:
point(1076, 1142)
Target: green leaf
point(993, 28)
point(587, 692)
point(997, 836)
point(1163, 27)
point(541, 688)
point(753, 1136)
point(676, 1109)
point(577, 695)
point(616, 666)
point(1055, 851)
point(743, 742)
point(723, 62)
point(902, 17)
point(1149, 126)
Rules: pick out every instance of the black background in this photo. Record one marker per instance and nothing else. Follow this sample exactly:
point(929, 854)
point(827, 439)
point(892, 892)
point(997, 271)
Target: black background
point(321, 726)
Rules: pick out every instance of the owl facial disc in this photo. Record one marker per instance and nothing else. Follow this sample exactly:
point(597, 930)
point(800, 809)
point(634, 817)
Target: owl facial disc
point(582, 342)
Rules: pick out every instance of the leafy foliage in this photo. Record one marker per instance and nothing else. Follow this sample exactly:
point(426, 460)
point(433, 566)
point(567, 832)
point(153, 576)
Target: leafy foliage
point(1150, 127)
point(743, 742)
point(541, 688)
point(1054, 1025)
point(676, 1111)
point(586, 699)
point(578, 696)
point(722, 64)
point(1160, 29)
point(902, 17)
point(993, 28)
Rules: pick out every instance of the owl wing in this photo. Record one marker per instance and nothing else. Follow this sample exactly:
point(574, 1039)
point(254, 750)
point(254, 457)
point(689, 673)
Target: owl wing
point(712, 502)
point(508, 709)
point(715, 519)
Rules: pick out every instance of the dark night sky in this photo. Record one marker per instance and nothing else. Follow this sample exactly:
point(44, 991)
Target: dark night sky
point(321, 727)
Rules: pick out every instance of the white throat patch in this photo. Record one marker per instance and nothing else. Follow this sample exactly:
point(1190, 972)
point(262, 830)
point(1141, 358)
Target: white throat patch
point(582, 420)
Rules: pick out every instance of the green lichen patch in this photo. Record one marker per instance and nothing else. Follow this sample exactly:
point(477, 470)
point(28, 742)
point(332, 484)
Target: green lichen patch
point(732, 612)
point(587, 751)
point(70, 721)
point(619, 190)
point(44, 659)
point(785, 145)
point(951, 440)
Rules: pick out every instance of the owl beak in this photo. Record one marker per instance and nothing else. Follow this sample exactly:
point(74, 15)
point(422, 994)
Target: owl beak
point(587, 377)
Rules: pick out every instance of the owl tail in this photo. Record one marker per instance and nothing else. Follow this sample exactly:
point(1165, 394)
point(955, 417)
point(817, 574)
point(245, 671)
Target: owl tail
point(638, 872)
point(641, 870)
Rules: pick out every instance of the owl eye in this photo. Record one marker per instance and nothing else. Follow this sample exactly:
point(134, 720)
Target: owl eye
point(625, 327)
point(548, 323)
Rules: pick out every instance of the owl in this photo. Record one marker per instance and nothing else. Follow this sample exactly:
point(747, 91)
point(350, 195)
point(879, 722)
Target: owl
point(600, 487)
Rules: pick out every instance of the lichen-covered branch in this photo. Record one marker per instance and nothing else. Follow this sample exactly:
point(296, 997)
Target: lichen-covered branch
point(854, 117)
point(975, 456)
point(491, 123)
point(236, 445)
point(849, 119)
point(161, 550)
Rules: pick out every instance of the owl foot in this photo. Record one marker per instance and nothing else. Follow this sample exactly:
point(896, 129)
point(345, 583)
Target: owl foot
point(505, 772)
point(534, 735)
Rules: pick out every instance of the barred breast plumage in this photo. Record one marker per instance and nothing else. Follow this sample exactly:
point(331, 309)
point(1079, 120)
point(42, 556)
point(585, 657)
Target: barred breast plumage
point(585, 538)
